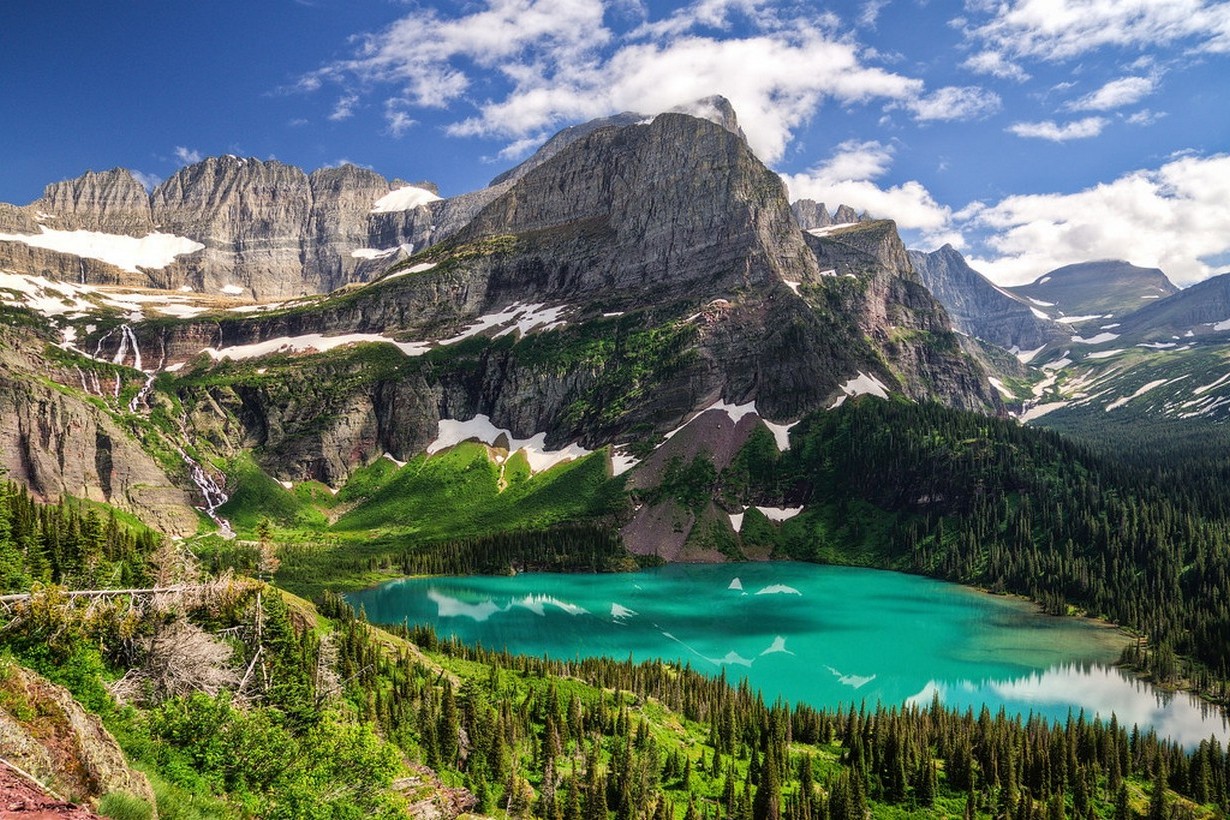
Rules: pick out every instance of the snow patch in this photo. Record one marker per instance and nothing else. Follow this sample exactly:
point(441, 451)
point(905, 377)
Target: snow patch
point(419, 267)
point(736, 523)
point(736, 584)
point(374, 253)
point(1158, 345)
point(860, 385)
point(998, 385)
point(525, 317)
point(310, 343)
point(828, 229)
point(1071, 320)
point(1204, 388)
point(403, 199)
point(781, 433)
point(794, 286)
point(1038, 313)
point(735, 411)
point(1026, 356)
point(1117, 403)
point(780, 513)
point(1101, 338)
point(622, 461)
point(1039, 302)
point(451, 432)
point(1040, 410)
point(154, 251)
point(232, 290)
point(1106, 354)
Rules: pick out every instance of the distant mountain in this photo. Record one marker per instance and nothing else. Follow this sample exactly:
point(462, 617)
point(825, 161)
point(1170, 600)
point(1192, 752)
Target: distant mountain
point(1107, 289)
point(982, 309)
point(1200, 310)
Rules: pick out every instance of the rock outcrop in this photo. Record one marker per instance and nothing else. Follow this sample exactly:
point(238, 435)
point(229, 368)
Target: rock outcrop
point(45, 732)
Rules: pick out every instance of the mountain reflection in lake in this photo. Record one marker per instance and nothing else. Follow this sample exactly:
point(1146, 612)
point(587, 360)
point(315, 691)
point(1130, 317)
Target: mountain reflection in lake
point(823, 635)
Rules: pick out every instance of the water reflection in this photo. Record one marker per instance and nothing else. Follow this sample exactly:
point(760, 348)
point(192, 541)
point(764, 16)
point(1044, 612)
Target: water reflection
point(827, 636)
point(1096, 690)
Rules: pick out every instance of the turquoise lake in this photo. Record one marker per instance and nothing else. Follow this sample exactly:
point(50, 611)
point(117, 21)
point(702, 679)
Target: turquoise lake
point(817, 634)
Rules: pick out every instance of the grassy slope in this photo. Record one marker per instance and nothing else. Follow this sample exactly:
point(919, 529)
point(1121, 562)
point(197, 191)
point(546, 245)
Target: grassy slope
point(348, 540)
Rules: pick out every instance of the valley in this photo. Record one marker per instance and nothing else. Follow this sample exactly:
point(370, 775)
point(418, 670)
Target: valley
point(630, 355)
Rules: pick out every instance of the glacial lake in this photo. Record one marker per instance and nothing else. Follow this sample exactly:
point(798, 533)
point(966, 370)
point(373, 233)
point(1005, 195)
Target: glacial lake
point(816, 634)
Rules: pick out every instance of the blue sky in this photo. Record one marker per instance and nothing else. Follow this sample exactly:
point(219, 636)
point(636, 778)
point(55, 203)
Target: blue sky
point(1028, 133)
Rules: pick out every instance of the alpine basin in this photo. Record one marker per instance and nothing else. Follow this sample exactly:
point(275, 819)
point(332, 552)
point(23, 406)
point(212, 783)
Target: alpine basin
point(823, 635)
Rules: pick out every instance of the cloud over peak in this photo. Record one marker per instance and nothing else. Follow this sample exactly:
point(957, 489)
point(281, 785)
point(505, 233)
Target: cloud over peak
point(544, 63)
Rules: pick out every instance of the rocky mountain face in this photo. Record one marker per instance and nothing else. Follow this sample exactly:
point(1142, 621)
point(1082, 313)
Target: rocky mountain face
point(638, 276)
point(259, 229)
point(668, 244)
point(979, 308)
point(57, 438)
point(111, 202)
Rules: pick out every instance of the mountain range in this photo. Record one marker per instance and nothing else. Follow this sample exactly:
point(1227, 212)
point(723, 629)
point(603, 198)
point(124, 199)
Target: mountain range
point(634, 277)
point(640, 291)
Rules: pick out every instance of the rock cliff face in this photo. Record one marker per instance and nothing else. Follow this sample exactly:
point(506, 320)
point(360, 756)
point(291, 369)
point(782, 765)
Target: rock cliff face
point(899, 317)
point(270, 231)
point(338, 223)
point(658, 207)
point(58, 443)
point(252, 217)
point(979, 308)
point(111, 202)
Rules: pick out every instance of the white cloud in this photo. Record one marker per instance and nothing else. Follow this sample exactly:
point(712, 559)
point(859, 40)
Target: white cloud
point(562, 64)
point(399, 122)
point(995, 64)
point(955, 103)
point(1050, 130)
point(1145, 117)
point(148, 181)
point(847, 178)
point(870, 13)
point(343, 109)
point(1176, 218)
point(1066, 29)
point(1115, 94)
point(186, 155)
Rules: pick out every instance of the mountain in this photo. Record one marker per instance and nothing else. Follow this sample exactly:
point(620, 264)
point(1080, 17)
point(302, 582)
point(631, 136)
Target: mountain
point(982, 309)
point(1105, 289)
point(642, 278)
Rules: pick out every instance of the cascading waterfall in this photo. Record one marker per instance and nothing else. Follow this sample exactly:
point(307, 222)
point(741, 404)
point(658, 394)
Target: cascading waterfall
point(213, 494)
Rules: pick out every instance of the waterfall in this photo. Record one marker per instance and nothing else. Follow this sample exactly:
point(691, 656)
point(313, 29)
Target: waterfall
point(210, 491)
